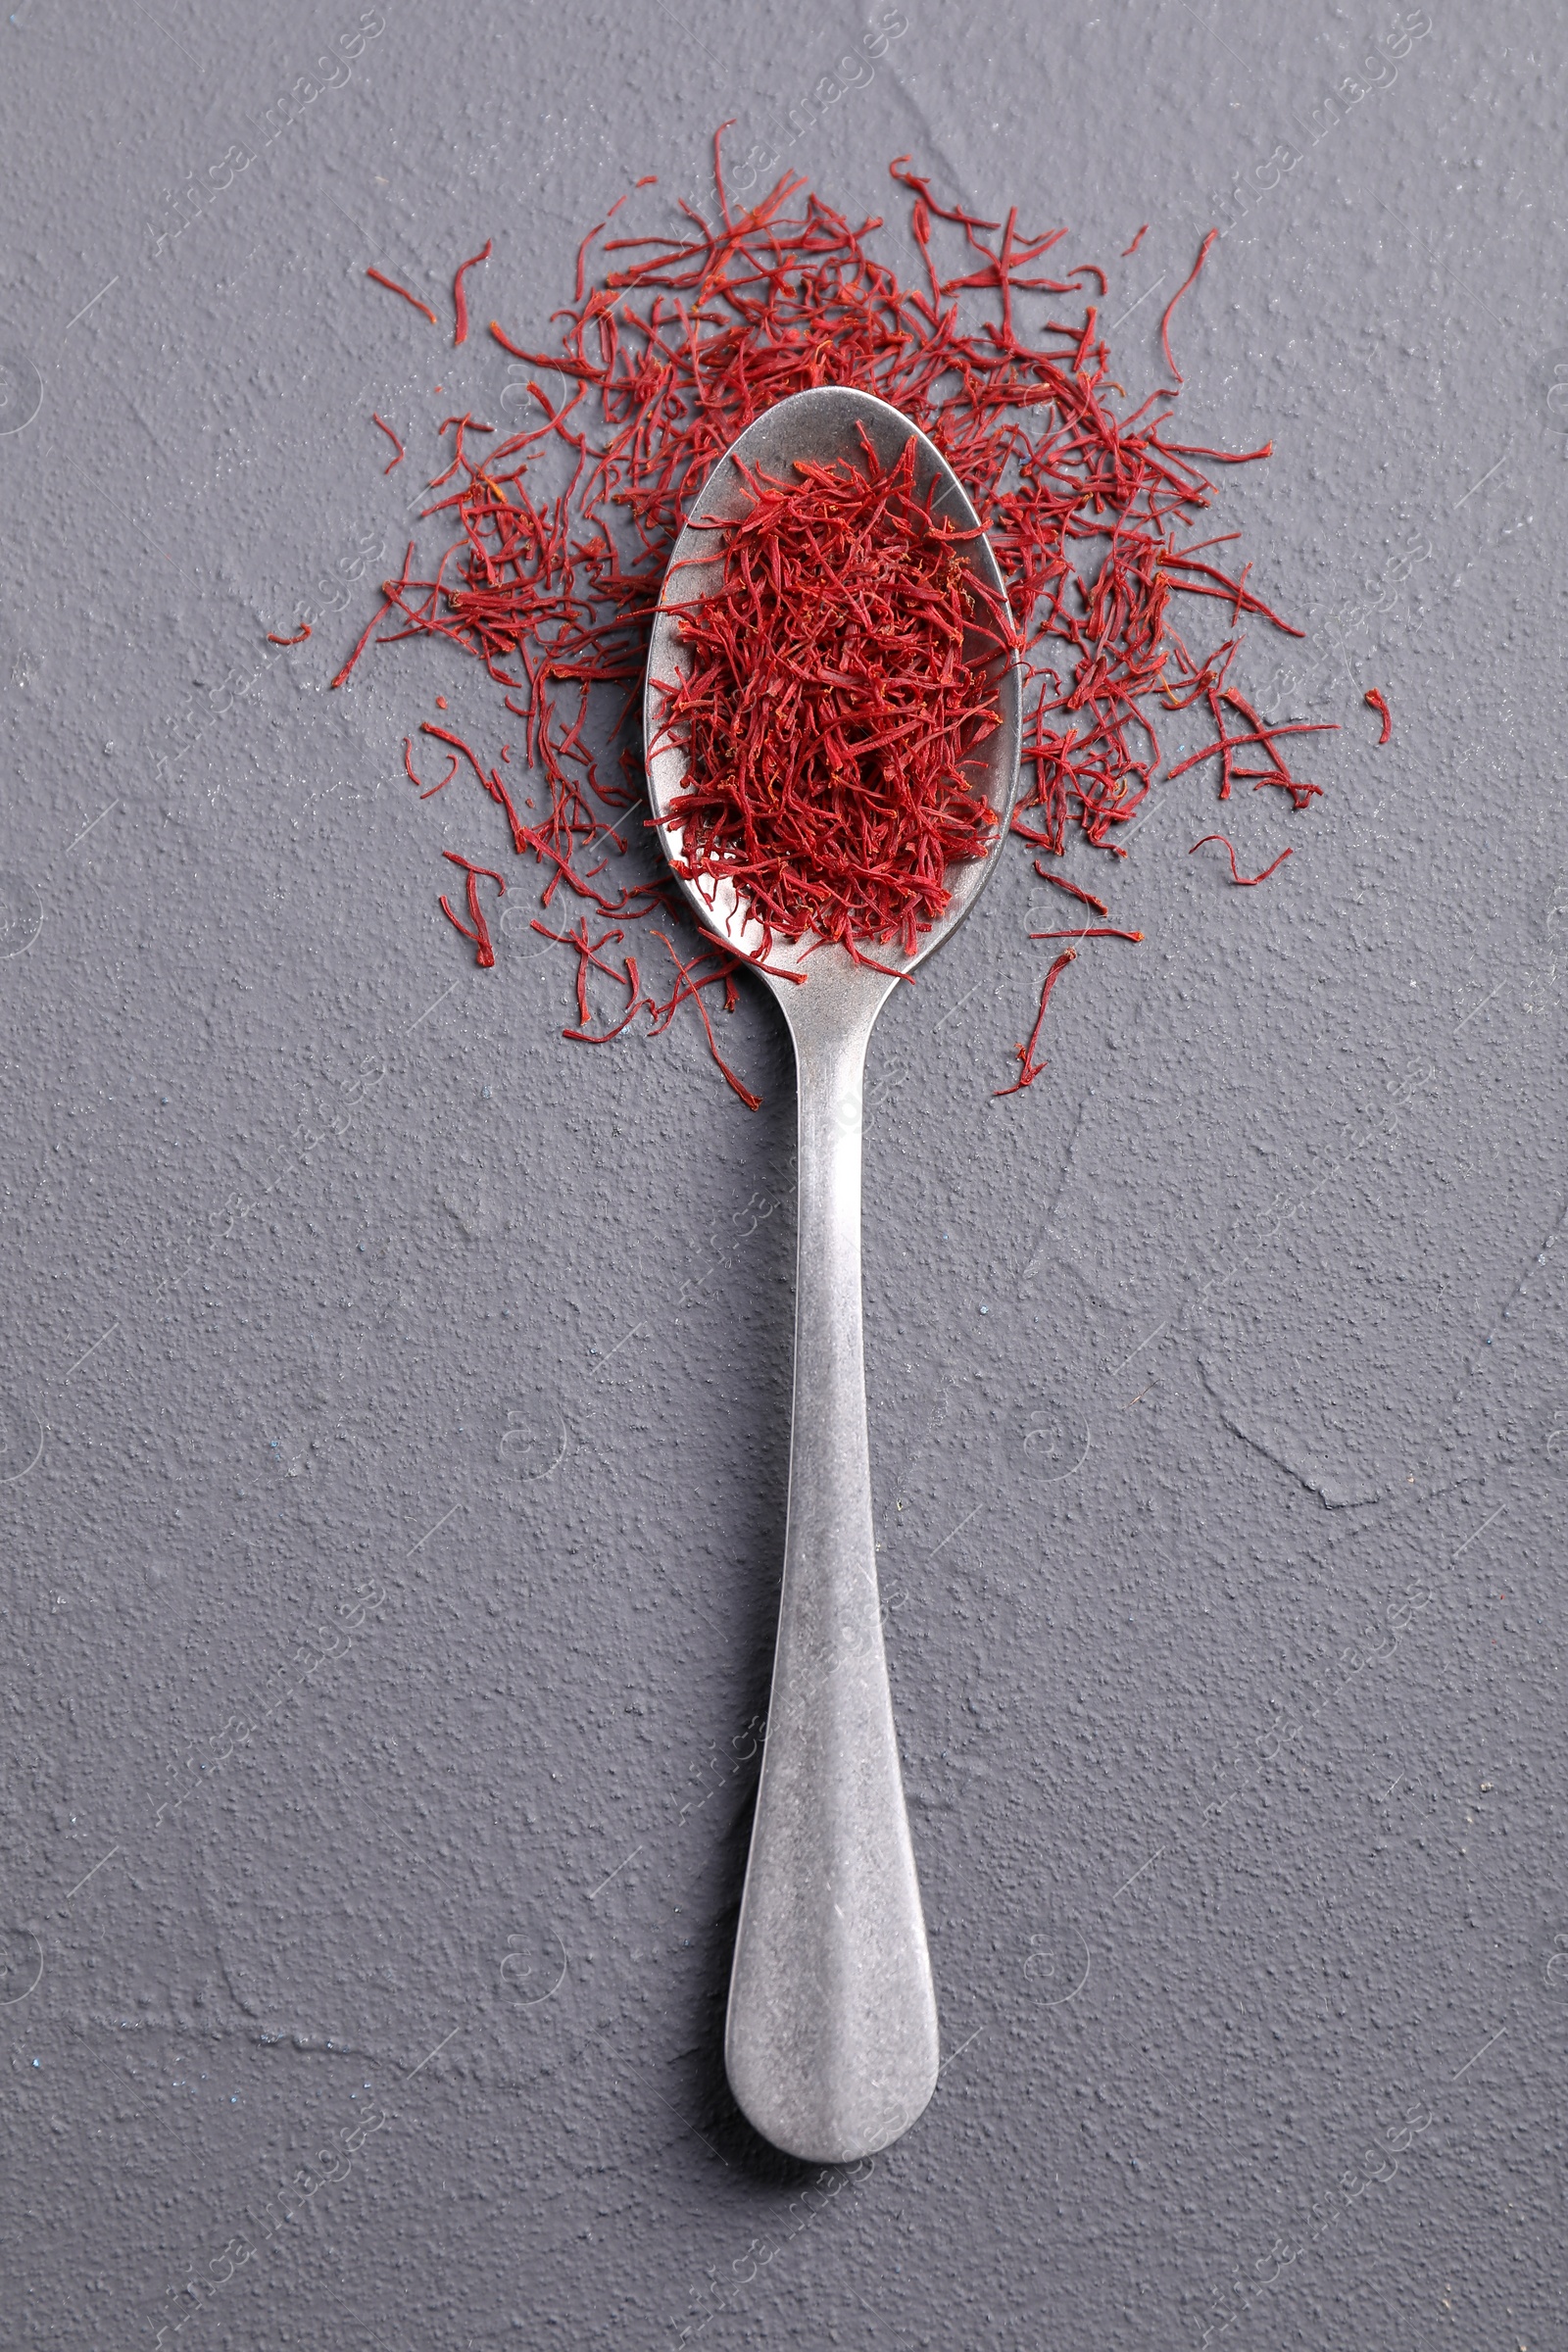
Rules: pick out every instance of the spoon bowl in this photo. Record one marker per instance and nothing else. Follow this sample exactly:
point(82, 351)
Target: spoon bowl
point(831, 2040)
point(828, 424)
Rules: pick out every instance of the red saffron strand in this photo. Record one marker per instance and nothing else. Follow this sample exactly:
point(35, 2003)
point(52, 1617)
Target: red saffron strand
point(485, 954)
point(298, 638)
point(1028, 1069)
point(1098, 931)
point(490, 779)
point(391, 591)
point(392, 437)
point(1164, 325)
point(1060, 882)
point(1375, 701)
point(506, 344)
point(428, 794)
point(686, 987)
point(774, 971)
point(393, 288)
point(1127, 251)
point(590, 959)
point(1247, 881)
point(459, 298)
point(443, 735)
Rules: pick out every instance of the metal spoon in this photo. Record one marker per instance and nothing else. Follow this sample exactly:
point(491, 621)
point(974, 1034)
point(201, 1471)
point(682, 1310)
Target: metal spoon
point(831, 2042)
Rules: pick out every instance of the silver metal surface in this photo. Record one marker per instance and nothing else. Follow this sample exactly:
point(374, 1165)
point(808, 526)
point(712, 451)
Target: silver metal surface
point(831, 2042)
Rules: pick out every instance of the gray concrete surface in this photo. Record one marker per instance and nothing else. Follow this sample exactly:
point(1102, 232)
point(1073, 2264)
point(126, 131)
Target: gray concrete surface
point(1219, 1409)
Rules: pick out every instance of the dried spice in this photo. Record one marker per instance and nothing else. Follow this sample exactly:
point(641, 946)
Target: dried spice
point(392, 287)
point(459, 298)
point(1375, 701)
point(1247, 881)
point(1189, 280)
point(1028, 1069)
point(480, 934)
point(560, 533)
point(1073, 890)
point(1098, 931)
point(838, 679)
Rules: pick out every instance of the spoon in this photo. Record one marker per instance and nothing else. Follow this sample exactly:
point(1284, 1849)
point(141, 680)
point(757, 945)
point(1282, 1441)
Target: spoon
point(831, 2039)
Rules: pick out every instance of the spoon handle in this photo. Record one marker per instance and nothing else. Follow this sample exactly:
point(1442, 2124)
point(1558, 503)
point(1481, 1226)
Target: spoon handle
point(831, 2041)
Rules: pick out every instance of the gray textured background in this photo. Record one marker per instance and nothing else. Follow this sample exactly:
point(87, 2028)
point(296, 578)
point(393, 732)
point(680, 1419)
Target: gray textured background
point(1219, 1408)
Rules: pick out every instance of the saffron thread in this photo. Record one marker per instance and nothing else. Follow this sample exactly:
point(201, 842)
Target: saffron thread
point(393, 288)
point(459, 298)
point(1247, 881)
point(1028, 1069)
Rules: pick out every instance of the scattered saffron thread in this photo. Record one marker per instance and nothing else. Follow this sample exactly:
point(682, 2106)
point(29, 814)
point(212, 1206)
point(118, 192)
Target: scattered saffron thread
point(1220, 697)
point(1376, 702)
point(1098, 931)
point(673, 344)
point(1127, 251)
point(393, 288)
point(297, 637)
point(1247, 881)
point(686, 987)
point(428, 794)
point(1164, 325)
point(1028, 1069)
point(485, 954)
point(392, 437)
point(460, 300)
point(1060, 882)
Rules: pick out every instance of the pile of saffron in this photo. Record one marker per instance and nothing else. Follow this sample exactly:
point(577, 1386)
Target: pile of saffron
point(1090, 501)
point(838, 679)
